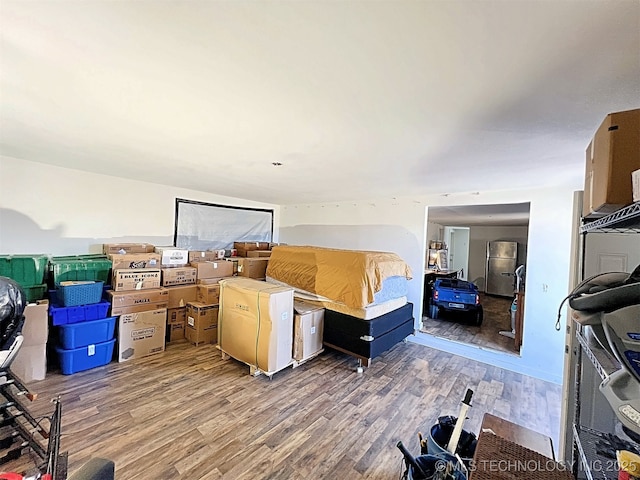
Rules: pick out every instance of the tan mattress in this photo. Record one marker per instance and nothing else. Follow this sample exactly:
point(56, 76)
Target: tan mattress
point(369, 312)
point(349, 277)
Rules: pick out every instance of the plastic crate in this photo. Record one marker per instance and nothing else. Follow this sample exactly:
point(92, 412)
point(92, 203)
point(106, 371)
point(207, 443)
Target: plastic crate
point(34, 292)
point(80, 294)
point(85, 358)
point(25, 269)
point(81, 334)
point(66, 315)
point(80, 267)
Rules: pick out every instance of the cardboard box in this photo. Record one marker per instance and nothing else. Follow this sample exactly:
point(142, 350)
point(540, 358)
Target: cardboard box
point(30, 363)
point(177, 315)
point(36, 324)
point(122, 248)
point(202, 255)
point(308, 326)
point(117, 311)
point(175, 331)
point(243, 247)
point(172, 256)
point(210, 281)
point(202, 323)
point(234, 264)
point(252, 267)
point(176, 320)
point(137, 298)
point(134, 260)
point(258, 253)
point(208, 294)
point(178, 276)
point(614, 152)
point(135, 279)
point(245, 305)
point(141, 334)
point(217, 269)
point(181, 295)
point(635, 182)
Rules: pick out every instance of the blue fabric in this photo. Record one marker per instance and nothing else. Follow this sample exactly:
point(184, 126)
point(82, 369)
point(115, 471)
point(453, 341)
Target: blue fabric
point(392, 287)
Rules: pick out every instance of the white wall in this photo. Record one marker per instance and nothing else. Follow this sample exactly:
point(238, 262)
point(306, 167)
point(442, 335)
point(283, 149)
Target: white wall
point(399, 226)
point(59, 211)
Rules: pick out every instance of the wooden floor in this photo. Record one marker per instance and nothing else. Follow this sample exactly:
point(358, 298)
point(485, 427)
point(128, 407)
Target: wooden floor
point(455, 326)
point(186, 413)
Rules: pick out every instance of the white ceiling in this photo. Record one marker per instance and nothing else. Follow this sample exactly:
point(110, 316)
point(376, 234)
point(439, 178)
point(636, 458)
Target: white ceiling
point(357, 99)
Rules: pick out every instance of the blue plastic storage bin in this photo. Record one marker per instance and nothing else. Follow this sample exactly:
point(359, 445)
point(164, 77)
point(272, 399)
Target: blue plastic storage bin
point(64, 315)
point(85, 358)
point(80, 294)
point(76, 335)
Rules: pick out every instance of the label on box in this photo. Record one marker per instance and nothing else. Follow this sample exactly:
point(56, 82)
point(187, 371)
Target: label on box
point(135, 260)
point(191, 321)
point(178, 276)
point(127, 299)
point(91, 350)
point(173, 256)
point(135, 279)
point(143, 333)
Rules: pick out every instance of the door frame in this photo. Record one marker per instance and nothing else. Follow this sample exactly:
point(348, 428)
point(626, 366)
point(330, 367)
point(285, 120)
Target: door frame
point(449, 235)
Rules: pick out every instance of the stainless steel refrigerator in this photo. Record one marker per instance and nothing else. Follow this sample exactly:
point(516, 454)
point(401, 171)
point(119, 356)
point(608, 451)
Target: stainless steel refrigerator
point(502, 258)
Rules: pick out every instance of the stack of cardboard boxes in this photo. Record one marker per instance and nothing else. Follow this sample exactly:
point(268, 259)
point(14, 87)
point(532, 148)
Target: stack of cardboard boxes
point(137, 299)
point(202, 312)
point(252, 259)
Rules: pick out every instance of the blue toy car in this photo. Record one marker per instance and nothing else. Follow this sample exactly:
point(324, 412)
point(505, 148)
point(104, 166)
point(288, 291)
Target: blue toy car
point(454, 295)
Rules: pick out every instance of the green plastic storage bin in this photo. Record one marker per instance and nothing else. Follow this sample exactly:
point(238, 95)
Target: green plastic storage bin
point(24, 269)
point(80, 267)
point(34, 292)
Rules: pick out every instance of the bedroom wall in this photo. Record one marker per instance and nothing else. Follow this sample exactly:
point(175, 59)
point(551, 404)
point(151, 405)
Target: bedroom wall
point(60, 211)
point(399, 225)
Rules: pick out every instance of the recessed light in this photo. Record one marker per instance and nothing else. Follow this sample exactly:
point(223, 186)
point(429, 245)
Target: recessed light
point(276, 164)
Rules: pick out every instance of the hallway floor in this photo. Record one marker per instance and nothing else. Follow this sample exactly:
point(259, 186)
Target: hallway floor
point(497, 317)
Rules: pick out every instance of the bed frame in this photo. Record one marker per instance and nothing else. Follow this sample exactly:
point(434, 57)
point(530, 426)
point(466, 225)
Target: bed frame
point(366, 339)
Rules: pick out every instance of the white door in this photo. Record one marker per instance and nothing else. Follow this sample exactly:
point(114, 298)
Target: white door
point(457, 239)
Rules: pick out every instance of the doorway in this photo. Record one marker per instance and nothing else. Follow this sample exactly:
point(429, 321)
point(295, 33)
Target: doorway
point(467, 232)
point(457, 238)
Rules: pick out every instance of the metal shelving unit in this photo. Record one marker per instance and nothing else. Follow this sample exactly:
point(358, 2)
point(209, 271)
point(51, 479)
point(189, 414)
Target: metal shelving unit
point(604, 363)
point(626, 219)
point(589, 444)
point(595, 464)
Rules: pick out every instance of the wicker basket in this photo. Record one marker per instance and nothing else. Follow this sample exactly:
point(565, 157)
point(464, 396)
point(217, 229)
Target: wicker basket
point(76, 294)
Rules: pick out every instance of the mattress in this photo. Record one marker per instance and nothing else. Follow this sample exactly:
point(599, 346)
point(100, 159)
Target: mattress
point(348, 325)
point(368, 338)
point(367, 312)
point(369, 350)
point(350, 277)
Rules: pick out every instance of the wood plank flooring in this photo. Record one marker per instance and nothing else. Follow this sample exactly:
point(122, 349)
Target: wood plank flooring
point(188, 414)
point(455, 326)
